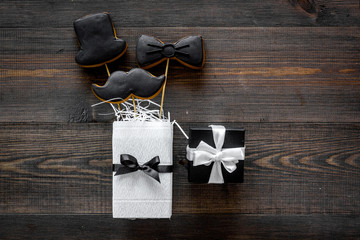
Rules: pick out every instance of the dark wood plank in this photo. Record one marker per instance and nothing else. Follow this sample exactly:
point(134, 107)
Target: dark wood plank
point(251, 74)
point(289, 169)
point(286, 70)
point(183, 226)
point(175, 13)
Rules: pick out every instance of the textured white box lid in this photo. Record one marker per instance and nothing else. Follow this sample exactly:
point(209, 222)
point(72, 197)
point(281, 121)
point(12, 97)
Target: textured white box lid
point(136, 195)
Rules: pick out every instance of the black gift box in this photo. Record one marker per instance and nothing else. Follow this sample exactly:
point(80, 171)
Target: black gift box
point(234, 138)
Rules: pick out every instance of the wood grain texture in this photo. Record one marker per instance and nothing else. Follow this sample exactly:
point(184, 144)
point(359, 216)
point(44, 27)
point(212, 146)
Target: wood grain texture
point(175, 13)
point(289, 169)
point(182, 226)
point(286, 70)
point(251, 75)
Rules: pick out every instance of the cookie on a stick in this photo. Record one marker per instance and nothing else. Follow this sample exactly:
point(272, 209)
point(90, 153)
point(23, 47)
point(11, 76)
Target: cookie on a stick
point(189, 51)
point(98, 42)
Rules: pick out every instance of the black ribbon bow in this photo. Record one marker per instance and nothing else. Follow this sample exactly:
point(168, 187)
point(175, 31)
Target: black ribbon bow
point(151, 168)
point(189, 51)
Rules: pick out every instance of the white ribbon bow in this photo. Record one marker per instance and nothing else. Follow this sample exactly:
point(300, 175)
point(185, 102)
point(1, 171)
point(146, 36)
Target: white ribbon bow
point(204, 154)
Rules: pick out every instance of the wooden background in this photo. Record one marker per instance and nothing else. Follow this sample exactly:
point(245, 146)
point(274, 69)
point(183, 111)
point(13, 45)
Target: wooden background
point(286, 70)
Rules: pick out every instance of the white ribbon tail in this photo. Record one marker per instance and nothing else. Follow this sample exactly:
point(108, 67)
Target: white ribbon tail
point(216, 175)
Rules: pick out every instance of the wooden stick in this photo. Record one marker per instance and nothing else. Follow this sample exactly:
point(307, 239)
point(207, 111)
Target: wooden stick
point(134, 104)
point(163, 91)
point(107, 70)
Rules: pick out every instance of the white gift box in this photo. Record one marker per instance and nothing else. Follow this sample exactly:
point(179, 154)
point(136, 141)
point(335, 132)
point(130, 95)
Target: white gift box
point(136, 195)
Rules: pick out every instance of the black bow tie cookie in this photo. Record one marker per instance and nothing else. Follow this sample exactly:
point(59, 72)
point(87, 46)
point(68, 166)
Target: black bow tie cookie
point(151, 51)
point(98, 41)
point(189, 51)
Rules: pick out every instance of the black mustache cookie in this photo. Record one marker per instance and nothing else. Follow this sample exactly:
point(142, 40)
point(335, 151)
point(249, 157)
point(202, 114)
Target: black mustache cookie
point(120, 86)
point(98, 41)
point(189, 51)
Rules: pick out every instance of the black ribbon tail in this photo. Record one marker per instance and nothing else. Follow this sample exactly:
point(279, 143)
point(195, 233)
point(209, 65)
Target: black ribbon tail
point(150, 168)
point(151, 173)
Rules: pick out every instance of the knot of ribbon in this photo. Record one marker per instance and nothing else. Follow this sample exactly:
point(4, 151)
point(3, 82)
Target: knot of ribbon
point(189, 51)
point(204, 154)
point(151, 168)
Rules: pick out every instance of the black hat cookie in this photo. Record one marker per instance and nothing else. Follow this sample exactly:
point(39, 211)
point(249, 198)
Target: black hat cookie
point(98, 41)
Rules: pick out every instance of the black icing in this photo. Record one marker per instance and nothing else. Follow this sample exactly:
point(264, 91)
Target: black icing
point(122, 84)
point(98, 43)
point(189, 50)
point(168, 50)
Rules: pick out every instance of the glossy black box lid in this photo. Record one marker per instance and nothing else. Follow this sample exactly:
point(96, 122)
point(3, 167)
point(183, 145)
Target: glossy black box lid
point(234, 137)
